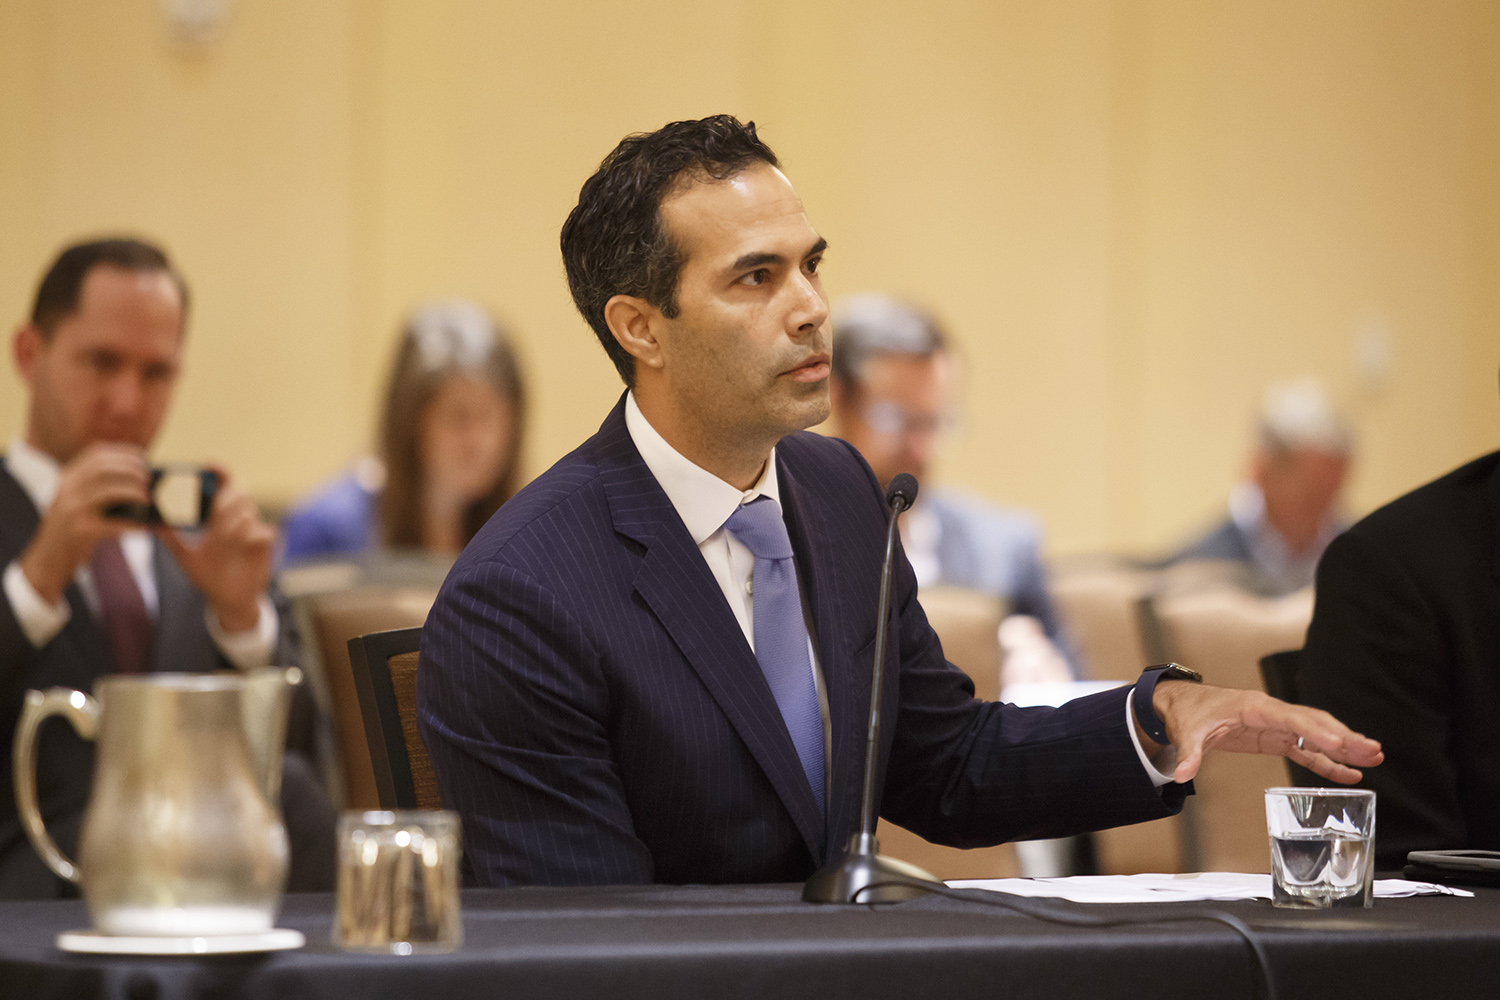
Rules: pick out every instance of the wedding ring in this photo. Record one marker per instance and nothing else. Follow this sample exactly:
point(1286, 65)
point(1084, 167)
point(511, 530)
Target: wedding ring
point(1299, 743)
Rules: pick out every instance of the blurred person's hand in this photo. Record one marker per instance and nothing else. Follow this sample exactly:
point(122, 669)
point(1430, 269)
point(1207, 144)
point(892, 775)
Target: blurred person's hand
point(101, 475)
point(1027, 656)
point(229, 560)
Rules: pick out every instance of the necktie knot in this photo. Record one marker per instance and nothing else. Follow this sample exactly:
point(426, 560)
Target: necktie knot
point(759, 527)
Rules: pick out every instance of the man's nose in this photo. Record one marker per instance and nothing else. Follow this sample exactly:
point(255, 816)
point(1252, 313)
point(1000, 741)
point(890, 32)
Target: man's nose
point(810, 309)
point(126, 395)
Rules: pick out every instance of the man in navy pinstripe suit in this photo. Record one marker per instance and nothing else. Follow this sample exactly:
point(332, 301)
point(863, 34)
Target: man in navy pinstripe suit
point(590, 689)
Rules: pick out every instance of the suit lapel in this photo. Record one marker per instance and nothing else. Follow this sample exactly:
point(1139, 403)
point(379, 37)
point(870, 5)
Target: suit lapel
point(681, 592)
point(847, 683)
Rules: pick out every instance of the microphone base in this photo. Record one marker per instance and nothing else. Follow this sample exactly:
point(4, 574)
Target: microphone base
point(864, 875)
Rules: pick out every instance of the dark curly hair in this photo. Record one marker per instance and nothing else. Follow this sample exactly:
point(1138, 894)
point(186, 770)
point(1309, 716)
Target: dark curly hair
point(614, 242)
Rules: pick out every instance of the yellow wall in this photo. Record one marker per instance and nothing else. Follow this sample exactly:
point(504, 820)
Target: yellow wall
point(1131, 214)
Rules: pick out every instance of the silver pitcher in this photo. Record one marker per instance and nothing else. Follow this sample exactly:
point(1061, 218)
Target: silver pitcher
point(182, 835)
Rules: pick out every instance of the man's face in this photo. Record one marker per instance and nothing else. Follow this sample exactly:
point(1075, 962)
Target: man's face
point(108, 370)
point(747, 357)
point(895, 417)
point(1300, 489)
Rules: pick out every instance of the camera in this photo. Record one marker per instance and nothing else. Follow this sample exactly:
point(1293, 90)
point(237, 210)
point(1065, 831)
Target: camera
point(181, 497)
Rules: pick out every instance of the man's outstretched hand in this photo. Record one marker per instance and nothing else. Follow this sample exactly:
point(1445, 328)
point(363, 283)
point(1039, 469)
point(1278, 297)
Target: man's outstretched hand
point(1200, 717)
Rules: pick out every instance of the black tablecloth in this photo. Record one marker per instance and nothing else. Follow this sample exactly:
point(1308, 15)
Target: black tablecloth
point(763, 942)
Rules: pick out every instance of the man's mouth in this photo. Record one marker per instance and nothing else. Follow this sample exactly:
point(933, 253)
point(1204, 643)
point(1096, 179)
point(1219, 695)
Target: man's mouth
point(814, 369)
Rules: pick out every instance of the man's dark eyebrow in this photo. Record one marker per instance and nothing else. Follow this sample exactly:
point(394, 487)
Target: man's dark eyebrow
point(750, 261)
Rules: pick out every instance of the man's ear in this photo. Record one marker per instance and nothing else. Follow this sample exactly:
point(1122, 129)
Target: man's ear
point(634, 323)
point(27, 347)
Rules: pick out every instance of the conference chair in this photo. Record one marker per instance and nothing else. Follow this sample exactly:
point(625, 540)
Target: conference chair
point(1281, 675)
point(968, 623)
point(384, 667)
point(329, 620)
point(1099, 601)
point(1278, 675)
point(1223, 631)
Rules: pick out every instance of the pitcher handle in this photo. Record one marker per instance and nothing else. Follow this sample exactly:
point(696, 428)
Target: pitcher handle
point(83, 712)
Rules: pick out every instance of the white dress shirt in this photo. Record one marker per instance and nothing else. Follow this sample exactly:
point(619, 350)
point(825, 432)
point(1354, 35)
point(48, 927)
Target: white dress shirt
point(704, 502)
point(40, 620)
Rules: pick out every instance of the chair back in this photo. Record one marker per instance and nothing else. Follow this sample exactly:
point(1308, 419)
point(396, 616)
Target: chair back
point(968, 623)
point(1223, 632)
point(1280, 672)
point(1099, 601)
point(332, 619)
point(1278, 675)
point(384, 666)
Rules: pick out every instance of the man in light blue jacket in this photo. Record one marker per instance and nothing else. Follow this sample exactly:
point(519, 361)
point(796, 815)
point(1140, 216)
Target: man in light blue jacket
point(892, 394)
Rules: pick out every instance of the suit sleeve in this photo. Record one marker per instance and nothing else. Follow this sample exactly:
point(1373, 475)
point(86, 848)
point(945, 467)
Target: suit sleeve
point(968, 773)
point(512, 707)
point(1376, 659)
point(16, 651)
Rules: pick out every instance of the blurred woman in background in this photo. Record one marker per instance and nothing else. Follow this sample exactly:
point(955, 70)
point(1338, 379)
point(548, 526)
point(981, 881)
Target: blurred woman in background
point(450, 441)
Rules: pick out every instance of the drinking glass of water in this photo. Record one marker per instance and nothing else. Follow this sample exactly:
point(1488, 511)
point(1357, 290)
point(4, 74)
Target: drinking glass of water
point(1322, 842)
point(398, 882)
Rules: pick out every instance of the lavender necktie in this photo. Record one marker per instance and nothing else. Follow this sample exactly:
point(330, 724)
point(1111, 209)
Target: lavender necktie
point(128, 627)
point(780, 631)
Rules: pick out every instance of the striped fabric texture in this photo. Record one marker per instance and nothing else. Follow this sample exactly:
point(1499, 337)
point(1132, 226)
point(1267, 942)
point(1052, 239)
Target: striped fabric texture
point(596, 716)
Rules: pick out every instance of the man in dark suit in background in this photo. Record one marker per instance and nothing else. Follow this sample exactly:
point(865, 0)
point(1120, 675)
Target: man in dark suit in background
point(653, 664)
point(87, 594)
point(1405, 644)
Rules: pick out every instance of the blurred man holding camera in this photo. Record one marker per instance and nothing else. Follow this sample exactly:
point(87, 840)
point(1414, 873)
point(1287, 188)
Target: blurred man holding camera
point(90, 590)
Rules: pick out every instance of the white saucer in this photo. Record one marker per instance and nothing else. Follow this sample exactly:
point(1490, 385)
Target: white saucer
point(98, 943)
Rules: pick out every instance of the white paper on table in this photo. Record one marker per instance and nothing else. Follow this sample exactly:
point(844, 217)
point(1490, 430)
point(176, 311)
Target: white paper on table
point(1175, 888)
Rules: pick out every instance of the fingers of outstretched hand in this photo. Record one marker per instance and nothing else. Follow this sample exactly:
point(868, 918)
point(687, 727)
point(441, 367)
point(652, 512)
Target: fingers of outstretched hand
point(1252, 722)
point(1319, 732)
point(1325, 766)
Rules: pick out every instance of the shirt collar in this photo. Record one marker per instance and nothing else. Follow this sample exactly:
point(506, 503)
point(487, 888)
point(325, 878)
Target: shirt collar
point(702, 499)
point(36, 471)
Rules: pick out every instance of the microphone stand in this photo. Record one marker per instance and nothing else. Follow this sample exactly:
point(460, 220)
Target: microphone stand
point(862, 874)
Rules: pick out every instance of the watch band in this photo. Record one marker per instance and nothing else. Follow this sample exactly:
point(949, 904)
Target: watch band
point(1145, 712)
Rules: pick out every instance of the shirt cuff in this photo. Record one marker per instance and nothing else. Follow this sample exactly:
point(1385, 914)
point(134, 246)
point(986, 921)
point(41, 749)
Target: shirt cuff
point(1157, 778)
point(250, 649)
point(40, 620)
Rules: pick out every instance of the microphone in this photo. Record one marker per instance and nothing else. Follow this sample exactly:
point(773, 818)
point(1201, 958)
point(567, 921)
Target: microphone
point(903, 488)
point(863, 874)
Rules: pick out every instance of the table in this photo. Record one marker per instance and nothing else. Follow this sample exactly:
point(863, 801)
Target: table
point(763, 942)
